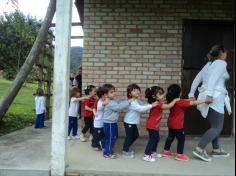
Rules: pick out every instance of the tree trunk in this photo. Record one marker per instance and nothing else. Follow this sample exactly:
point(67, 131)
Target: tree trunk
point(30, 60)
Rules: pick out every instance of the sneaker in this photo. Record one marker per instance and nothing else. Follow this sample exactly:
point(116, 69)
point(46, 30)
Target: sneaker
point(182, 157)
point(82, 138)
point(75, 137)
point(106, 156)
point(127, 155)
point(113, 156)
point(202, 155)
point(219, 153)
point(167, 153)
point(156, 155)
point(69, 138)
point(149, 158)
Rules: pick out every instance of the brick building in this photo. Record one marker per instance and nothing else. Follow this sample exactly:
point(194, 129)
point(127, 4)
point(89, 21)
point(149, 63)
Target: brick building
point(154, 42)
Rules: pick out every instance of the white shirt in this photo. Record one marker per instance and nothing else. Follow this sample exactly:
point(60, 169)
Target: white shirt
point(40, 104)
point(213, 76)
point(98, 122)
point(134, 110)
point(74, 106)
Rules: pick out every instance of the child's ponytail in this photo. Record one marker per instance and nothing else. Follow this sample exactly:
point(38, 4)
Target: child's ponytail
point(151, 93)
point(89, 89)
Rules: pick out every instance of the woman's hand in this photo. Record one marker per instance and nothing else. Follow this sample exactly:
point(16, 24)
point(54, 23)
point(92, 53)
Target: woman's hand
point(209, 100)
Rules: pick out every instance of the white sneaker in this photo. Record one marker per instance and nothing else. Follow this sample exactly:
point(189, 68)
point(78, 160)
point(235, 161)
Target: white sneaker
point(90, 137)
point(82, 138)
point(156, 155)
point(149, 158)
point(69, 137)
point(75, 137)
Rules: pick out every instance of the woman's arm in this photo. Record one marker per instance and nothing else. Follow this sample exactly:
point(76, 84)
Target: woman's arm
point(170, 105)
point(197, 80)
point(196, 102)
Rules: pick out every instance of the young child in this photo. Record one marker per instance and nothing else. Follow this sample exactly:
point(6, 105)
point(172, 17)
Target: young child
point(110, 118)
point(39, 108)
point(154, 94)
point(176, 122)
point(132, 118)
point(90, 91)
point(75, 98)
point(98, 109)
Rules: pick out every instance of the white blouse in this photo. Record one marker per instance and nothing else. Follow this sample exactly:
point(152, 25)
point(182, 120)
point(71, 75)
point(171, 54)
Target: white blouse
point(212, 76)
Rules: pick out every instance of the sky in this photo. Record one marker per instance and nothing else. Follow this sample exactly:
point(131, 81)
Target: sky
point(38, 8)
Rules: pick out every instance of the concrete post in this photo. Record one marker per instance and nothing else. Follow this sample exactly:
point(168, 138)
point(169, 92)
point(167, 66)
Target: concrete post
point(61, 87)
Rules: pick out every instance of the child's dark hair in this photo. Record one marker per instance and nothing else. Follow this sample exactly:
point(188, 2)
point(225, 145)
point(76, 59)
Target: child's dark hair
point(89, 89)
point(151, 93)
point(173, 91)
point(214, 52)
point(100, 92)
point(39, 92)
point(74, 91)
point(108, 87)
point(130, 88)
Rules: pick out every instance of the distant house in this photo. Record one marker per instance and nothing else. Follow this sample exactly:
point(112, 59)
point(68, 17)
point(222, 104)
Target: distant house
point(155, 42)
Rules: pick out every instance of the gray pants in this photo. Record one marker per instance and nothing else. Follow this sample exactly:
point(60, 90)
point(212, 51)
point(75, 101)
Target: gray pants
point(211, 135)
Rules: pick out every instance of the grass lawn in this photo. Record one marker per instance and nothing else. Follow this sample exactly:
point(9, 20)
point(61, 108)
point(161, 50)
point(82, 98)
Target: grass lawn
point(21, 113)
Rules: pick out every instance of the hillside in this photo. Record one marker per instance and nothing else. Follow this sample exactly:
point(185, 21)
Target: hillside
point(76, 58)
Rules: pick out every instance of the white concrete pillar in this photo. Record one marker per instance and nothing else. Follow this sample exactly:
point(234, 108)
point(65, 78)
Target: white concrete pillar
point(61, 87)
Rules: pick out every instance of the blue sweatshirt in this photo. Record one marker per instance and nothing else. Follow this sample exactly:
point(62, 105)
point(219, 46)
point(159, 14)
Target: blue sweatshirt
point(112, 109)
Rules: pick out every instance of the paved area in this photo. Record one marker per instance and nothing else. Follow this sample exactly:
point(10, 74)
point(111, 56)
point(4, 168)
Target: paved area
point(27, 153)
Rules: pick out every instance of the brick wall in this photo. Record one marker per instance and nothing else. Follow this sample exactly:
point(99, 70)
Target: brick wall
point(140, 41)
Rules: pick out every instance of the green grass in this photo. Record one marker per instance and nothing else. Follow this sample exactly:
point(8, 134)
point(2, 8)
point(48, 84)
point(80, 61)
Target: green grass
point(21, 113)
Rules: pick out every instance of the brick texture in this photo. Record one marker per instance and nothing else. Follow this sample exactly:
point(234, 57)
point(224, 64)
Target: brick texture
point(137, 41)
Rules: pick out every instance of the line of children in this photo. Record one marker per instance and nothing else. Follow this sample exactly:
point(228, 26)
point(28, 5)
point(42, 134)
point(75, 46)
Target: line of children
point(103, 124)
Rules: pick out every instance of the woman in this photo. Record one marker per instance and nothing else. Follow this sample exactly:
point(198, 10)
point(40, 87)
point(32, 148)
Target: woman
point(213, 77)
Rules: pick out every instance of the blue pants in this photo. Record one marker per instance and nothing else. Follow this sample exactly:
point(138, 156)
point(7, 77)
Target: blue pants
point(73, 126)
point(152, 141)
point(111, 135)
point(179, 134)
point(98, 136)
point(39, 122)
point(132, 134)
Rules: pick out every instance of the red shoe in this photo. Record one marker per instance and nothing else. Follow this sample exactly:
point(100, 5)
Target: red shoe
point(166, 153)
point(182, 157)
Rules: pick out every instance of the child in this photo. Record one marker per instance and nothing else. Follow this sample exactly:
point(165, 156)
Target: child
point(132, 118)
point(176, 122)
point(98, 109)
point(110, 118)
point(88, 112)
point(73, 112)
point(40, 108)
point(154, 94)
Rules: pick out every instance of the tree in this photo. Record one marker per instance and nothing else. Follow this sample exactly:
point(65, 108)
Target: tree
point(30, 60)
point(17, 35)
